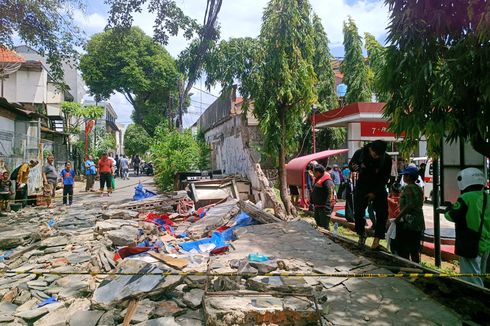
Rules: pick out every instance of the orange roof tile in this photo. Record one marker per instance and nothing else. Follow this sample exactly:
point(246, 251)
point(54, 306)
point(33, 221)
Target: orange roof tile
point(7, 55)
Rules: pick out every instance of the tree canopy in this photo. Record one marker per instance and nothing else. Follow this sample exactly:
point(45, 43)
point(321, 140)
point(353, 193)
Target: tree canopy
point(327, 96)
point(47, 26)
point(76, 114)
point(353, 66)
point(136, 140)
point(376, 63)
point(436, 72)
point(130, 62)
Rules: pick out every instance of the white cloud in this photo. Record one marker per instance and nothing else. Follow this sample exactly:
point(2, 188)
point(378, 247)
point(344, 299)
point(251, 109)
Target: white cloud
point(92, 22)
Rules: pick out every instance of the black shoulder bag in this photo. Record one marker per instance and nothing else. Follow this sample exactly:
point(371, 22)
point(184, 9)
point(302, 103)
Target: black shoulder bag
point(467, 240)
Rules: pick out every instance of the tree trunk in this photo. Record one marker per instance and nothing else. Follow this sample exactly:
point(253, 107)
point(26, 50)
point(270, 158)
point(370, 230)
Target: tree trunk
point(290, 210)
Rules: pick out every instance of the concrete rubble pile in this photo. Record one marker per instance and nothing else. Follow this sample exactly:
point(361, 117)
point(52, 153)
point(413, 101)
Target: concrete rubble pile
point(162, 253)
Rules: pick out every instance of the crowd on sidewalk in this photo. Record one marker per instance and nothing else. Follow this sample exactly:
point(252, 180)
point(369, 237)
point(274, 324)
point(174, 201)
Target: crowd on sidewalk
point(14, 185)
point(394, 201)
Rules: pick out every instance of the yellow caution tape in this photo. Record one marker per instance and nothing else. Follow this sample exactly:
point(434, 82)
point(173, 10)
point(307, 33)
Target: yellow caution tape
point(229, 274)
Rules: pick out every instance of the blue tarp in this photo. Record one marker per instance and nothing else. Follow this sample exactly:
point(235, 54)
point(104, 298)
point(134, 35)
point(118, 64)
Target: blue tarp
point(219, 238)
point(140, 193)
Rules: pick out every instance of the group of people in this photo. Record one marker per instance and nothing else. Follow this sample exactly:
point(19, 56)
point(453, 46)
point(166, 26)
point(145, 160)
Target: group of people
point(107, 168)
point(368, 175)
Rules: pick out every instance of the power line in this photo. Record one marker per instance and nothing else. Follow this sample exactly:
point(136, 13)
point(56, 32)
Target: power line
point(205, 92)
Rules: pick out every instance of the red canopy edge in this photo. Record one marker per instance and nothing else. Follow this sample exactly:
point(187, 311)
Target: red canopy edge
point(295, 169)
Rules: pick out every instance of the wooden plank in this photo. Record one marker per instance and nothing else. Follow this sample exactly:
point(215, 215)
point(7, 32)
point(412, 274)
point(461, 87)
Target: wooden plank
point(258, 214)
point(178, 263)
point(133, 304)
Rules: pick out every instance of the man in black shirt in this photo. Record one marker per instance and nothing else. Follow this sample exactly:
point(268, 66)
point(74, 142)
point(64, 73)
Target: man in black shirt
point(373, 165)
point(322, 196)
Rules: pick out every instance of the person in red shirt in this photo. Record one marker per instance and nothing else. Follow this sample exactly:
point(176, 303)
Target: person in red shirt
point(104, 169)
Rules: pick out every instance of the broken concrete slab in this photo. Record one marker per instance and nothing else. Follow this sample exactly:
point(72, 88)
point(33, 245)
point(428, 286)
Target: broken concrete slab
point(113, 290)
point(167, 309)
point(144, 310)
point(126, 236)
point(255, 310)
point(54, 318)
point(164, 321)
point(85, 318)
point(217, 216)
point(10, 239)
point(122, 214)
point(193, 298)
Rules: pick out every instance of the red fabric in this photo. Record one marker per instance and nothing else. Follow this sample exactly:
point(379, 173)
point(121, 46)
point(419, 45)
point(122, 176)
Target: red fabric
point(220, 250)
point(324, 178)
point(105, 165)
point(153, 218)
point(222, 228)
point(393, 206)
point(129, 251)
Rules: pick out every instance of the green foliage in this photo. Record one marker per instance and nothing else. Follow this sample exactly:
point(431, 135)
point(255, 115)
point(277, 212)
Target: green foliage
point(376, 62)
point(47, 26)
point(172, 152)
point(327, 96)
point(136, 140)
point(80, 114)
point(230, 61)
point(204, 152)
point(284, 83)
point(130, 62)
point(354, 68)
point(104, 142)
point(437, 72)
point(170, 19)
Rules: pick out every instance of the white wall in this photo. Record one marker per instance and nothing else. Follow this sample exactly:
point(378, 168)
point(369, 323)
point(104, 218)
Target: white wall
point(232, 156)
point(7, 133)
point(26, 86)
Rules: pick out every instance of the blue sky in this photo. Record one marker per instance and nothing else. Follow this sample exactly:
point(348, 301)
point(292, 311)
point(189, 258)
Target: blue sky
point(239, 19)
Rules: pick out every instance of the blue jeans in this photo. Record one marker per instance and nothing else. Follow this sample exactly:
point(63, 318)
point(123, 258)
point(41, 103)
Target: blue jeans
point(476, 265)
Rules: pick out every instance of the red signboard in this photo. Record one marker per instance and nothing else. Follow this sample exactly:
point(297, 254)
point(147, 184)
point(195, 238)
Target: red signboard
point(375, 129)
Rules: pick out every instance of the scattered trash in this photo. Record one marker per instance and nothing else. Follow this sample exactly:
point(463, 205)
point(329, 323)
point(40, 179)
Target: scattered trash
point(49, 300)
point(255, 257)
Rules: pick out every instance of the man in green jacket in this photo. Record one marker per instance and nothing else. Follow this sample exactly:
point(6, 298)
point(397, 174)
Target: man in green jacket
point(467, 215)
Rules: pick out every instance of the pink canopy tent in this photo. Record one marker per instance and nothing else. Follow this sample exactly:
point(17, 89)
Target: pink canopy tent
point(295, 169)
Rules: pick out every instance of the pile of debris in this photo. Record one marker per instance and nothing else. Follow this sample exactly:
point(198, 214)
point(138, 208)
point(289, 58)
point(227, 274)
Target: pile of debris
point(161, 262)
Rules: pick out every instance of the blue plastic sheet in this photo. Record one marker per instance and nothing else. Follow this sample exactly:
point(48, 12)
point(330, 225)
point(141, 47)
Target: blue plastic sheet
point(47, 301)
point(141, 193)
point(216, 239)
point(219, 238)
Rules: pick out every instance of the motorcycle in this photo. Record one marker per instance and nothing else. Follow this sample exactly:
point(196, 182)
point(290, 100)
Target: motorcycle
point(148, 169)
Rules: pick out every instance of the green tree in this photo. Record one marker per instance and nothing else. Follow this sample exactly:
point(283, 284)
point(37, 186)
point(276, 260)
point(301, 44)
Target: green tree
point(354, 68)
point(327, 96)
point(376, 62)
point(104, 141)
point(136, 140)
point(47, 26)
point(130, 62)
point(437, 72)
point(76, 114)
point(170, 19)
point(172, 152)
point(285, 80)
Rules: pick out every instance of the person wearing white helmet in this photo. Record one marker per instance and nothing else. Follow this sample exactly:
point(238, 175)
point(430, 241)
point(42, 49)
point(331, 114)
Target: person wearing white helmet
point(471, 215)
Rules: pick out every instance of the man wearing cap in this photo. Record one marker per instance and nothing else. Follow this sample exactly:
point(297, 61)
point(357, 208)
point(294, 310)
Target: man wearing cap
point(337, 178)
point(373, 167)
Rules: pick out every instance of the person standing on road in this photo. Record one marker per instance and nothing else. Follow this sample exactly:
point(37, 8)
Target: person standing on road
point(373, 165)
point(124, 164)
point(50, 179)
point(68, 176)
point(337, 178)
point(471, 214)
point(322, 196)
point(410, 223)
point(104, 170)
point(136, 165)
point(90, 173)
point(5, 191)
point(21, 178)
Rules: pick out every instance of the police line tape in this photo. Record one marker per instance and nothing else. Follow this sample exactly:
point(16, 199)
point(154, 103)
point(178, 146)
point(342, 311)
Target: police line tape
point(230, 274)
